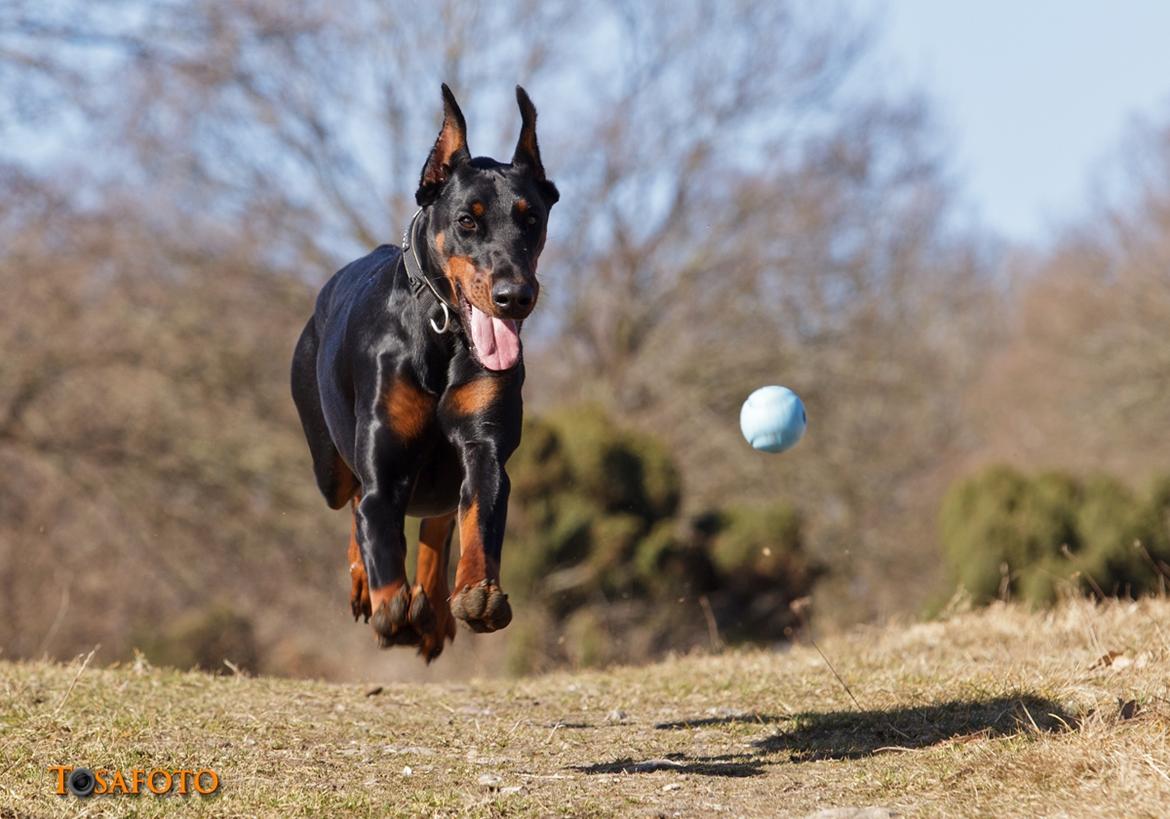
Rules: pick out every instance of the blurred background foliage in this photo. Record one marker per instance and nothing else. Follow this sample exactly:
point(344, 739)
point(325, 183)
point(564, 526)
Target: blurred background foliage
point(740, 206)
point(1009, 535)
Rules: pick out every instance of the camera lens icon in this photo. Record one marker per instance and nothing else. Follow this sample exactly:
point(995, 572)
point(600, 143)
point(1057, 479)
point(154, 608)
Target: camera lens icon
point(81, 782)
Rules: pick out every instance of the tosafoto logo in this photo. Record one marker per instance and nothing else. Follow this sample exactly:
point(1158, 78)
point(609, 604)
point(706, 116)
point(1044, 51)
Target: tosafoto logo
point(83, 782)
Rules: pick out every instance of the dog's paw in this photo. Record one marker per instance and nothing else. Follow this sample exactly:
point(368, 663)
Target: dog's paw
point(406, 617)
point(435, 624)
point(482, 606)
point(393, 607)
point(359, 592)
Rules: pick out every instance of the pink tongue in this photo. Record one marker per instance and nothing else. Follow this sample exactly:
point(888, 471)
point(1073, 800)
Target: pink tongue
point(497, 341)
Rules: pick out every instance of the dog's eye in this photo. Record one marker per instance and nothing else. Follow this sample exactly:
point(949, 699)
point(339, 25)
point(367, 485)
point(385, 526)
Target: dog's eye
point(531, 220)
point(466, 222)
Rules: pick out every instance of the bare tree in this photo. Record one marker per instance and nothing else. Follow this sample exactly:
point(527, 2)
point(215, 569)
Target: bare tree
point(1086, 370)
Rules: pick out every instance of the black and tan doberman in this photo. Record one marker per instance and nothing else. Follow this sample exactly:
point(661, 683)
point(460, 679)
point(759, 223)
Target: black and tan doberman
point(407, 379)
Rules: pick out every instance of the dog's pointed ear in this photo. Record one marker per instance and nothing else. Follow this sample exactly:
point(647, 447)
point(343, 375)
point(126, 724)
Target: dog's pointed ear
point(449, 152)
point(527, 153)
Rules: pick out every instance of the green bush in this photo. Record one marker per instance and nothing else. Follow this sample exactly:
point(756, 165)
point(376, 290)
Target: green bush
point(1159, 548)
point(588, 498)
point(1008, 534)
point(758, 551)
point(762, 540)
point(596, 540)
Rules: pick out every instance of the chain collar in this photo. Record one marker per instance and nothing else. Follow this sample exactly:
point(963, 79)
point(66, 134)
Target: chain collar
point(418, 277)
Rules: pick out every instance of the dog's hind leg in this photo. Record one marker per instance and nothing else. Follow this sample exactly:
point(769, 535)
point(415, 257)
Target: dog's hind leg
point(359, 593)
point(434, 549)
point(334, 477)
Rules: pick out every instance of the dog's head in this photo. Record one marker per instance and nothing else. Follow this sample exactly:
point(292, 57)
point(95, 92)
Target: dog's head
point(486, 228)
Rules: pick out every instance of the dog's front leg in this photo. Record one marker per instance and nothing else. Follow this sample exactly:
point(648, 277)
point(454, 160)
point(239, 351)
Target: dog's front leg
point(485, 419)
point(379, 522)
point(391, 438)
point(483, 511)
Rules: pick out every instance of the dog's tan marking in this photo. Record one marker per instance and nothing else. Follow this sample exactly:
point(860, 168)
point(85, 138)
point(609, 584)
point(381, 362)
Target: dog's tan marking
point(472, 560)
point(408, 408)
point(474, 396)
point(461, 271)
point(359, 595)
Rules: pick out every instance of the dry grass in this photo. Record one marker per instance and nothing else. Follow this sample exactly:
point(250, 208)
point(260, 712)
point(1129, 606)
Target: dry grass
point(999, 712)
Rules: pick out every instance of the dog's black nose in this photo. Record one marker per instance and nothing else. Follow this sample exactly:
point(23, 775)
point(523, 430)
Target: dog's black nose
point(513, 298)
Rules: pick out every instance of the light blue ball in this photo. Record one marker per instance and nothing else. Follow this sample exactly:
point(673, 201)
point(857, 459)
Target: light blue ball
point(773, 419)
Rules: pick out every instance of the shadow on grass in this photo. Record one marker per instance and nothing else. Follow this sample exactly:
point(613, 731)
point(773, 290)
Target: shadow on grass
point(744, 719)
point(724, 765)
point(857, 734)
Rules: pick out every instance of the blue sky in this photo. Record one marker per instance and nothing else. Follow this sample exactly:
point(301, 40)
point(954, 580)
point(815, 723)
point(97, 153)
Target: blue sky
point(1035, 95)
